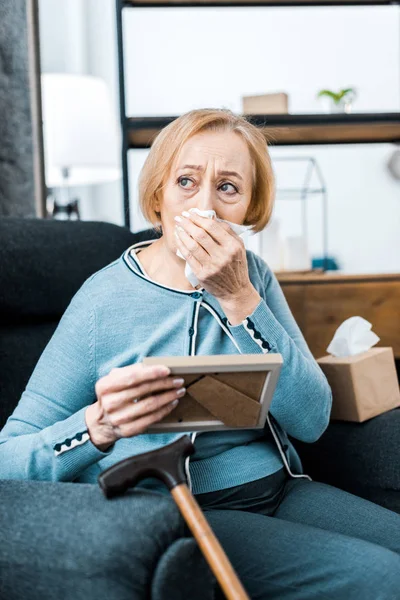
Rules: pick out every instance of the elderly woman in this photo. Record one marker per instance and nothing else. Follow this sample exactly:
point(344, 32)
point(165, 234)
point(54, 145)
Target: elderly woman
point(90, 399)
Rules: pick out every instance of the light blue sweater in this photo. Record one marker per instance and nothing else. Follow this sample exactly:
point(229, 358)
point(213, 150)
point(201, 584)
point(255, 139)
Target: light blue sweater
point(119, 316)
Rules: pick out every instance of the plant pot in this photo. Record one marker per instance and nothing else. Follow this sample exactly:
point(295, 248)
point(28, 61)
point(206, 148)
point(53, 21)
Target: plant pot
point(345, 105)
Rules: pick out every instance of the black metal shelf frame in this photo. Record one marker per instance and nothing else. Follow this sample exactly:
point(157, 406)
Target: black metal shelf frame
point(261, 3)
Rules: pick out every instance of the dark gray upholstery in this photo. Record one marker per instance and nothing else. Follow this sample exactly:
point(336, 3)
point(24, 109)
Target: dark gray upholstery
point(361, 458)
point(73, 553)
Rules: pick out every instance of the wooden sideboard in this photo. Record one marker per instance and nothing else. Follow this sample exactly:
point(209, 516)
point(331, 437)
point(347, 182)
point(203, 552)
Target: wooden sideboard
point(321, 302)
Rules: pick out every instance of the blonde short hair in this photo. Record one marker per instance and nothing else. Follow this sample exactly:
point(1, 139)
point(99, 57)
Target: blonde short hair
point(169, 142)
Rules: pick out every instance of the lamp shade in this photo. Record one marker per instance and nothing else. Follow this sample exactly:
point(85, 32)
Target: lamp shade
point(80, 130)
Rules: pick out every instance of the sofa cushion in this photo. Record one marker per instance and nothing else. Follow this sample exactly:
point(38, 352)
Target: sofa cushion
point(361, 458)
point(43, 263)
point(62, 540)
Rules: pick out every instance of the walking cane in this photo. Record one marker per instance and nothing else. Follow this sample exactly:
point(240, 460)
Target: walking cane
point(166, 464)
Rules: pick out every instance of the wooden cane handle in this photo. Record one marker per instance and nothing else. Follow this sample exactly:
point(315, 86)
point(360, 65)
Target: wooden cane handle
point(209, 545)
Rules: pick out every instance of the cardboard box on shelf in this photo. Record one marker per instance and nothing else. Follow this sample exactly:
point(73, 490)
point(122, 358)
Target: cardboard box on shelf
point(266, 104)
point(363, 385)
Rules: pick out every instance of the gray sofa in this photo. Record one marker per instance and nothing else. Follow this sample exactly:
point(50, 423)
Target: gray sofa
point(42, 265)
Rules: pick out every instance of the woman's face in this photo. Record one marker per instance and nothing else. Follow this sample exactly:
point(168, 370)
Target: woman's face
point(212, 172)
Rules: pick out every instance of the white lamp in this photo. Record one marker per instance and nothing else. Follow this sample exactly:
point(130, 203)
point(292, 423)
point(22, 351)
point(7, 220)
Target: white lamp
point(81, 140)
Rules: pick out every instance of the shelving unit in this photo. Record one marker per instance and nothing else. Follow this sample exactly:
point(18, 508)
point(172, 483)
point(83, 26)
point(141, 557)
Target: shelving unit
point(292, 129)
point(279, 130)
point(158, 3)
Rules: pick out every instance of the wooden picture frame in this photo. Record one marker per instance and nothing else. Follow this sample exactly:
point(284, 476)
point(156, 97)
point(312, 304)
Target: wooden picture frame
point(223, 391)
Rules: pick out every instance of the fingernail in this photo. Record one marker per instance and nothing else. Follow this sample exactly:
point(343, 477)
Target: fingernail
point(181, 391)
point(179, 381)
point(186, 214)
point(175, 402)
point(178, 219)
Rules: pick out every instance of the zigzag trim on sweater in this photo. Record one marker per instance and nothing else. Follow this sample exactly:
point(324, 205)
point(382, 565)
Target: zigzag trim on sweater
point(79, 439)
point(256, 335)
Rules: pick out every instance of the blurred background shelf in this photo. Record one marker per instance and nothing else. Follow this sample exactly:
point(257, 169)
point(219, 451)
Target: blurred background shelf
point(292, 129)
point(160, 3)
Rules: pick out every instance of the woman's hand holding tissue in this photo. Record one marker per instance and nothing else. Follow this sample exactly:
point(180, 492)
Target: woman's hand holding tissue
point(217, 256)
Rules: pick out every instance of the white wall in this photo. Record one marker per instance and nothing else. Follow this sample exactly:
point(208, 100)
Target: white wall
point(177, 59)
point(102, 61)
point(62, 43)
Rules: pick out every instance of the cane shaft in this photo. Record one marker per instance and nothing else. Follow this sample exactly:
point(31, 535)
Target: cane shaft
point(209, 545)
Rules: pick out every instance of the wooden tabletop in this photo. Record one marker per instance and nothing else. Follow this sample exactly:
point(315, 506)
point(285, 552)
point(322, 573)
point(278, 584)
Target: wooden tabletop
point(319, 277)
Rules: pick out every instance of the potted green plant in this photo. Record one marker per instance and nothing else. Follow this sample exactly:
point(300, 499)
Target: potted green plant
point(340, 101)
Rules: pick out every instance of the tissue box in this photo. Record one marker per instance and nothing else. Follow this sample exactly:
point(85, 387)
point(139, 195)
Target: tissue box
point(363, 385)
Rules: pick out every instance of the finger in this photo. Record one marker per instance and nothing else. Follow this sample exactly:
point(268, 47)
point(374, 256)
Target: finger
point(120, 378)
point(145, 407)
point(218, 230)
point(200, 235)
point(180, 236)
point(115, 400)
point(192, 244)
point(141, 425)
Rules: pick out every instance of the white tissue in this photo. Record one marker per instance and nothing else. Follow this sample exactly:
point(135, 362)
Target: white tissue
point(352, 337)
point(210, 214)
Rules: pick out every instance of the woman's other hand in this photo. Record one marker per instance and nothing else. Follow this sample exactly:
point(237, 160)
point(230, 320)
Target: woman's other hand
point(217, 257)
point(129, 400)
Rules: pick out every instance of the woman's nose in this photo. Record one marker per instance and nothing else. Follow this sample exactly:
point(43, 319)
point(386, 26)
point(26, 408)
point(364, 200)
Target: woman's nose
point(205, 198)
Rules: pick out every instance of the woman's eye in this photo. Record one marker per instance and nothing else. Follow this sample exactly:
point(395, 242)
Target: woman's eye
point(185, 182)
point(225, 188)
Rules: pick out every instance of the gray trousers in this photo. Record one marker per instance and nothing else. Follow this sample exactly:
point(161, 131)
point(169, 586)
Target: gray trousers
point(296, 539)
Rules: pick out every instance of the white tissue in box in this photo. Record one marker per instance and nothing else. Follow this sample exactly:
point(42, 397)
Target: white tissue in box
point(353, 336)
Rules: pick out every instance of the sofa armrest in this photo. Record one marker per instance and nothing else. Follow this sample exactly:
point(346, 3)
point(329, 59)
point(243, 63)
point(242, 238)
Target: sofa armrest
point(361, 458)
point(67, 540)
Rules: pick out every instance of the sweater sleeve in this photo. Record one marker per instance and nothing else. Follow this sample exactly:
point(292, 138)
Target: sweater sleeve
point(46, 437)
point(302, 400)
